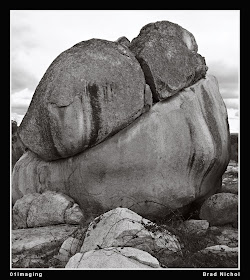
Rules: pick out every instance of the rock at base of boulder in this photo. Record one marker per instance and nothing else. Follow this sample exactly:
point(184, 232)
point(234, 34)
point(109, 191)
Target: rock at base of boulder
point(122, 227)
point(221, 250)
point(48, 208)
point(32, 247)
point(220, 209)
point(195, 226)
point(21, 209)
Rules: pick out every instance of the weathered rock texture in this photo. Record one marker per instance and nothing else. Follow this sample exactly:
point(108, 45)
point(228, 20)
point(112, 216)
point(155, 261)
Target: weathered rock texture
point(32, 247)
point(168, 56)
point(220, 209)
point(221, 250)
point(122, 227)
point(21, 209)
point(114, 257)
point(124, 41)
point(89, 92)
point(195, 226)
point(49, 208)
point(169, 157)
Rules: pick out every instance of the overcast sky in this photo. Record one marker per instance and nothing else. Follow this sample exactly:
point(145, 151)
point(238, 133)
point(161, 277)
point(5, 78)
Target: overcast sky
point(37, 37)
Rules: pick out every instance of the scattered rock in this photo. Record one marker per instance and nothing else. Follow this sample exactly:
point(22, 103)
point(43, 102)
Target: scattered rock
point(31, 247)
point(113, 257)
point(69, 248)
point(49, 208)
point(74, 215)
point(89, 92)
point(221, 250)
point(20, 210)
point(164, 160)
point(228, 236)
point(229, 187)
point(220, 209)
point(122, 227)
point(168, 56)
point(195, 226)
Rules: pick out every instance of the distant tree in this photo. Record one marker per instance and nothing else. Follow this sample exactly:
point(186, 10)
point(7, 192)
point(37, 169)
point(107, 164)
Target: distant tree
point(234, 147)
point(17, 146)
point(14, 126)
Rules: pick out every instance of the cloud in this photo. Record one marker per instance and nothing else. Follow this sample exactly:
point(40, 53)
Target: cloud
point(233, 125)
point(231, 103)
point(16, 117)
point(227, 77)
point(233, 119)
point(21, 76)
point(20, 101)
point(231, 112)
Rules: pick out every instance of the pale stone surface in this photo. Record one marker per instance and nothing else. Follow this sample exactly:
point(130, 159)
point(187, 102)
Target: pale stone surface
point(220, 209)
point(69, 248)
point(31, 245)
point(21, 209)
point(168, 56)
point(113, 257)
point(222, 250)
point(88, 93)
point(48, 209)
point(122, 227)
point(169, 157)
point(195, 226)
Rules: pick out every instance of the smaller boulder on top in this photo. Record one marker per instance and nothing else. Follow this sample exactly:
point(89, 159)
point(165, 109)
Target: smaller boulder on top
point(168, 56)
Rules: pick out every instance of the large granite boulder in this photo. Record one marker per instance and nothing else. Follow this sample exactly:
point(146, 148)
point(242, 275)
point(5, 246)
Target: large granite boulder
point(168, 56)
point(170, 156)
point(89, 92)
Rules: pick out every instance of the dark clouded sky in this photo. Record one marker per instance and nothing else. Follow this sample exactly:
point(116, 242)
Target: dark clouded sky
point(38, 37)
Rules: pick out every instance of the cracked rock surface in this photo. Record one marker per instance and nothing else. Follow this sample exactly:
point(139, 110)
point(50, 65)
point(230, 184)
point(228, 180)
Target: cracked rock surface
point(168, 56)
point(113, 257)
point(122, 227)
point(48, 208)
point(32, 246)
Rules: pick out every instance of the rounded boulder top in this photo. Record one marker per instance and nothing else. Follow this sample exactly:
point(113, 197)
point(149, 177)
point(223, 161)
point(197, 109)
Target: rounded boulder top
point(168, 56)
point(88, 93)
